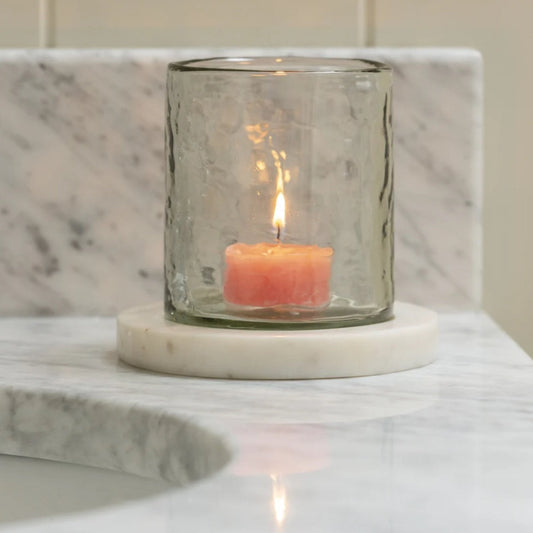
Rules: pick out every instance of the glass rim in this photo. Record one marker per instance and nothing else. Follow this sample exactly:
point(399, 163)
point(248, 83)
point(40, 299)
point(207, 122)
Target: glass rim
point(281, 65)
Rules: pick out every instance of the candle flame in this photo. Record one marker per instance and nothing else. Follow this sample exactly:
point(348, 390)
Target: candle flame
point(278, 220)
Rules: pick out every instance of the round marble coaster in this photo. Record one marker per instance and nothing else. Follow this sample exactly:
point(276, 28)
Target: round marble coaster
point(145, 339)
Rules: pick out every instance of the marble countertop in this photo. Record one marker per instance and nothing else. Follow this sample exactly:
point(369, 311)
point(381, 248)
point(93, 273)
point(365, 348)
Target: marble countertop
point(445, 448)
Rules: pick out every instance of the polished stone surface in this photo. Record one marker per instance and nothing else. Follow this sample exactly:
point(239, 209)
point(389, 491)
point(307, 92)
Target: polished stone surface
point(82, 181)
point(146, 340)
point(447, 447)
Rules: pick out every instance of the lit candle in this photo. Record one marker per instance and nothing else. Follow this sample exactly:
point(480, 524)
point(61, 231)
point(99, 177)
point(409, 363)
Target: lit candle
point(274, 274)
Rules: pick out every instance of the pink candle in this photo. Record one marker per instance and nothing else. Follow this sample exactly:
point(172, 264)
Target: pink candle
point(267, 275)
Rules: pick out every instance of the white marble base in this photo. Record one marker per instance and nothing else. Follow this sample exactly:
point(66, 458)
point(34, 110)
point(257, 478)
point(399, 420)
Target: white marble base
point(145, 339)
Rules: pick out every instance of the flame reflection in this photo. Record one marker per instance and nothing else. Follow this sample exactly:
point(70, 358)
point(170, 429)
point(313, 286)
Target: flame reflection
point(279, 499)
point(257, 133)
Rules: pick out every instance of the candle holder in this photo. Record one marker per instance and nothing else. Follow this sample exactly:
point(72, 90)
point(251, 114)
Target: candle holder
point(279, 193)
point(279, 216)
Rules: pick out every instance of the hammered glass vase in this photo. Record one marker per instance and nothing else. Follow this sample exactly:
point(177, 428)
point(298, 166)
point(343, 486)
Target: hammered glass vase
point(279, 193)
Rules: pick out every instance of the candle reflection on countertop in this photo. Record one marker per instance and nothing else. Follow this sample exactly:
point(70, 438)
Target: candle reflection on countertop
point(277, 450)
point(279, 499)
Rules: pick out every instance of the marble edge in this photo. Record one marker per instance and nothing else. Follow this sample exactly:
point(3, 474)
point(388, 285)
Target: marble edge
point(218, 447)
point(118, 54)
point(106, 398)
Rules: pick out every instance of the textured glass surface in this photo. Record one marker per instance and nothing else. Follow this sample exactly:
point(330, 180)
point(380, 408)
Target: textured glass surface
point(240, 130)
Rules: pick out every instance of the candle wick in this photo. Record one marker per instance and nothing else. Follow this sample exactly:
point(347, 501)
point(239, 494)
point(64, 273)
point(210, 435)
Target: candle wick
point(279, 232)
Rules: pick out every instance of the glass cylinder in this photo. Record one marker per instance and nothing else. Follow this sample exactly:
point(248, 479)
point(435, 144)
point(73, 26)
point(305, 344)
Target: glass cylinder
point(279, 192)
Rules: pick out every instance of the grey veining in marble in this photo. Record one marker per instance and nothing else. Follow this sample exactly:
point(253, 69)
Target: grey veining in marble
point(81, 176)
point(444, 448)
point(129, 438)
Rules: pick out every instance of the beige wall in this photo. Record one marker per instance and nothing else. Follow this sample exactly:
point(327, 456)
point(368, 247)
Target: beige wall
point(203, 22)
point(501, 30)
point(19, 21)
point(152, 23)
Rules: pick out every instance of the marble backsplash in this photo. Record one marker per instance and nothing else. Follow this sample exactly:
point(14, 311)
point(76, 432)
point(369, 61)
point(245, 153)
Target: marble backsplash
point(82, 180)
